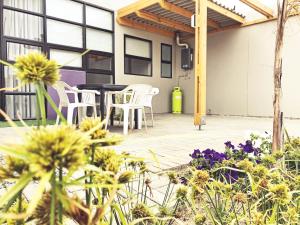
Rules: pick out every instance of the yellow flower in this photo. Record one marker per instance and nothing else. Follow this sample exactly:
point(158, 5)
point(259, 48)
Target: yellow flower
point(268, 160)
point(181, 192)
point(35, 67)
point(240, 197)
point(108, 160)
point(260, 171)
point(173, 177)
point(245, 165)
point(125, 177)
point(200, 178)
point(200, 219)
point(281, 193)
point(89, 124)
point(53, 146)
point(142, 211)
point(258, 218)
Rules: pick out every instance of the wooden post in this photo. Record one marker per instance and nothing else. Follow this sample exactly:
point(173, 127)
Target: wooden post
point(200, 62)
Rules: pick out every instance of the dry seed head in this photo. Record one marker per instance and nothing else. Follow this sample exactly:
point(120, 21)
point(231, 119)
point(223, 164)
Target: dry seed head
point(35, 67)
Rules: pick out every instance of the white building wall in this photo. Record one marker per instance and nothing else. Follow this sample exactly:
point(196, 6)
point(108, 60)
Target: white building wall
point(240, 71)
point(162, 102)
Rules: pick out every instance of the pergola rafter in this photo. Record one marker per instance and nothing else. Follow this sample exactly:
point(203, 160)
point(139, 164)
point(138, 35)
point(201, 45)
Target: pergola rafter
point(259, 7)
point(167, 17)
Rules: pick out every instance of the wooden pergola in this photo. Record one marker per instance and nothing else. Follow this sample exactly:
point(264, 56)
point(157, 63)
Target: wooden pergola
point(167, 17)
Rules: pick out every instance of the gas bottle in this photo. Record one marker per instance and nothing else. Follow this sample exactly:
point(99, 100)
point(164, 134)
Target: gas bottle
point(176, 100)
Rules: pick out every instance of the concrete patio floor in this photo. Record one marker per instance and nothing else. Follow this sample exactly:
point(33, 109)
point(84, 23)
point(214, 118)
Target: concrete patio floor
point(174, 137)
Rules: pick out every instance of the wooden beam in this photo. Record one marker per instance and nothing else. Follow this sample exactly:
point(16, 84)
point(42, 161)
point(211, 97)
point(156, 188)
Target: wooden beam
point(145, 27)
point(141, 4)
point(259, 7)
point(164, 21)
point(200, 62)
point(184, 12)
point(213, 6)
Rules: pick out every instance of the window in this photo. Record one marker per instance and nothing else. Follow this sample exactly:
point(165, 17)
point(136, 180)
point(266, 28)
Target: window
point(22, 25)
point(166, 61)
point(99, 40)
point(99, 18)
point(62, 57)
point(64, 33)
point(61, 9)
point(138, 56)
point(62, 29)
point(99, 62)
point(31, 5)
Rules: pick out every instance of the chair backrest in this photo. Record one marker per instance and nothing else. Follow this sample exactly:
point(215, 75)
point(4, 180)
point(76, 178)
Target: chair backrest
point(140, 93)
point(148, 100)
point(88, 98)
point(61, 88)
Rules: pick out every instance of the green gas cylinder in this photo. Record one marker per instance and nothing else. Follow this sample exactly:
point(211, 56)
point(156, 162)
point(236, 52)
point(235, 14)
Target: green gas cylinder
point(176, 100)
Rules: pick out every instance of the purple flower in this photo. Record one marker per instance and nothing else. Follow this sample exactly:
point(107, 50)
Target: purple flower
point(231, 176)
point(183, 180)
point(248, 147)
point(196, 154)
point(229, 145)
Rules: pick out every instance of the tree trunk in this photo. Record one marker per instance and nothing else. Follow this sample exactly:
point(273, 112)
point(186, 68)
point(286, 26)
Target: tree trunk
point(277, 123)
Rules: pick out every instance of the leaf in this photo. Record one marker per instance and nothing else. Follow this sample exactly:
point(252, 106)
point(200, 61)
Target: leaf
point(121, 214)
point(38, 193)
point(12, 151)
point(21, 183)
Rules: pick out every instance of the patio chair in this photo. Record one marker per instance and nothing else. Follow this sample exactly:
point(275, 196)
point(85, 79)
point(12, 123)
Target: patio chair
point(88, 100)
point(133, 99)
point(148, 101)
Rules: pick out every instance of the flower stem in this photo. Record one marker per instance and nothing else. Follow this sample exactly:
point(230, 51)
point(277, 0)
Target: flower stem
point(20, 222)
point(53, 200)
point(41, 102)
point(60, 208)
point(53, 105)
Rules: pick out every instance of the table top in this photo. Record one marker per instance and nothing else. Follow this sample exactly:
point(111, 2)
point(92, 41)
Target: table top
point(107, 87)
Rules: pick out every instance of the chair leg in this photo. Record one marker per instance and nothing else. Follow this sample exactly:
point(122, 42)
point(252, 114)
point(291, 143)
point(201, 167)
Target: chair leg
point(107, 116)
point(151, 111)
point(125, 121)
point(57, 117)
point(81, 111)
point(70, 115)
point(145, 120)
point(95, 111)
point(131, 119)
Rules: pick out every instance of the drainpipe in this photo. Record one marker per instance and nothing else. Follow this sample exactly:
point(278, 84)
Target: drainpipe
point(185, 45)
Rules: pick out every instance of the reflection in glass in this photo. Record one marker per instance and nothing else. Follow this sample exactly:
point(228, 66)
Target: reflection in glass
point(22, 25)
point(24, 105)
point(29, 5)
point(99, 62)
point(15, 49)
point(11, 81)
point(137, 66)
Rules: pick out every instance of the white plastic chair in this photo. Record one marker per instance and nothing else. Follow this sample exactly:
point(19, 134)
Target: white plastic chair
point(148, 101)
point(133, 99)
point(88, 100)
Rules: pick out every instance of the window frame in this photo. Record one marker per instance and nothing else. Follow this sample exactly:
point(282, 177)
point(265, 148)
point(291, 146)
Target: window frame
point(165, 61)
point(45, 46)
point(138, 57)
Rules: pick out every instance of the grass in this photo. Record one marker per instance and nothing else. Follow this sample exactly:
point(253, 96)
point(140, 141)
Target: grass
point(28, 122)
